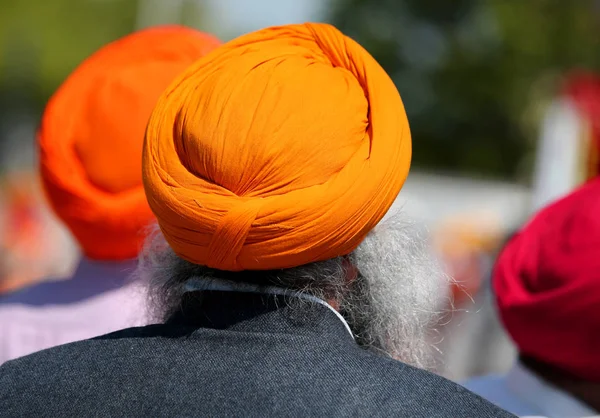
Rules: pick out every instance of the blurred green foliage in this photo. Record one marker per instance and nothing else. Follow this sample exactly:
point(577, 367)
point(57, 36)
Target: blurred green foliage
point(41, 41)
point(475, 75)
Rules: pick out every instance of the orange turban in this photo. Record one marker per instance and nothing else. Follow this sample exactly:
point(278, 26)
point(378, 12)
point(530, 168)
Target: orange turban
point(283, 147)
point(92, 134)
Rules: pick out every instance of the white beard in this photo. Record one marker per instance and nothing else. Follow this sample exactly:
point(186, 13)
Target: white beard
point(406, 286)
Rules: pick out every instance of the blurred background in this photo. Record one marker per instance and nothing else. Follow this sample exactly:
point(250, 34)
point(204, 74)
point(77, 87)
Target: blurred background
point(500, 94)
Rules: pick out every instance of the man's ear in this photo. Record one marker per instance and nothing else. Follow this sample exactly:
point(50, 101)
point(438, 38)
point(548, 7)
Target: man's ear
point(350, 270)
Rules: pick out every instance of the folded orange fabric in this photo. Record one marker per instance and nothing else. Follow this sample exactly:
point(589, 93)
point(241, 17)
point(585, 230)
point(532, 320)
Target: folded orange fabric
point(280, 148)
point(92, 131)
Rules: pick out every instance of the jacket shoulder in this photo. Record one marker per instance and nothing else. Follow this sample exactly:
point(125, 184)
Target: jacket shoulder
point(275, 375)
point(424, 389)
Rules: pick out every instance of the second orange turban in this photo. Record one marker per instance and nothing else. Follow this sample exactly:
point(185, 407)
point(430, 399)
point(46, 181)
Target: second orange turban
point(92, 133)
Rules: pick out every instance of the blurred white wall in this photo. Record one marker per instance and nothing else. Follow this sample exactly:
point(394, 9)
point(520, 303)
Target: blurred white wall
point(432, 198)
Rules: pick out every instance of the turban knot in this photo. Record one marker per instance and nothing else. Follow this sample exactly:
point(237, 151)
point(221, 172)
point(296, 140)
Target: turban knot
point(92, 134)
point(547, 284)
point(280, 148)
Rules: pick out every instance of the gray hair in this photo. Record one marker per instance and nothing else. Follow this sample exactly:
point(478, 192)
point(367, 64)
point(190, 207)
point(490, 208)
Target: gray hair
point(391, 305)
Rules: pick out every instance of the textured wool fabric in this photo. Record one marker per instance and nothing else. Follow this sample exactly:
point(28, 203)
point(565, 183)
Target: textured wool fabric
point(92, 132)
point(247, 355)
point(280, 148)
point(547, 284)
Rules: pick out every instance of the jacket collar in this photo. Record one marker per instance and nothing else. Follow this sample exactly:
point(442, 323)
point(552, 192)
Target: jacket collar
point(260, 309)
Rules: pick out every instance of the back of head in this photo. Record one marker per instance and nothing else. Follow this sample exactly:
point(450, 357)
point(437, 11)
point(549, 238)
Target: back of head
point(270, 161)
point(91, 136)
point(283, 147)
point(547, 285)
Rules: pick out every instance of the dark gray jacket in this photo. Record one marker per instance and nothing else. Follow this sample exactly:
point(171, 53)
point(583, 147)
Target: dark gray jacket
point(241, 355)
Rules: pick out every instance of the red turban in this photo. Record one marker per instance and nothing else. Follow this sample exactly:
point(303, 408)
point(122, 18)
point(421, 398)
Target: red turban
point(547, 284)
point(280, 148)
point(92, 134)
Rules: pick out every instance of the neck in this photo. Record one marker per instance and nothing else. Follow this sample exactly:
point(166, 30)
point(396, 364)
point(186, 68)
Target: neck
point(583, 390)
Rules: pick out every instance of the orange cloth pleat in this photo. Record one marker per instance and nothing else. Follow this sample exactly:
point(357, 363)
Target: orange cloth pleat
point(92, 131)
point(280, 148)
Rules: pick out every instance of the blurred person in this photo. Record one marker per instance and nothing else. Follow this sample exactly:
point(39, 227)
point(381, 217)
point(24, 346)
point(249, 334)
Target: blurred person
point(33, 245)
point(268, 165)
point(465, 244)
point(547, 288)
point(471, 338)
point(90, 146)
point(568, 151)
